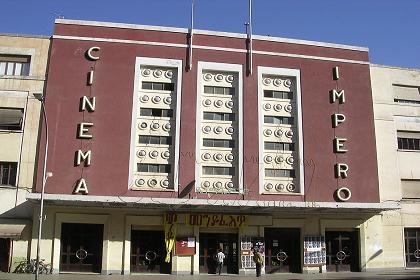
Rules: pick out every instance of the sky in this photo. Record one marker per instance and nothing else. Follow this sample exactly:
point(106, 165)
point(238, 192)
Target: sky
point(390, 29)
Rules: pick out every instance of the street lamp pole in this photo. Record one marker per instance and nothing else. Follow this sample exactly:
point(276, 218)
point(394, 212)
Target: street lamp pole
point(41, 98)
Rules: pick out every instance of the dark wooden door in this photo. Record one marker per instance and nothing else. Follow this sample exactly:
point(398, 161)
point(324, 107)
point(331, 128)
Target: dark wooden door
point(342, 250)
point(148, 252)
point(4, 254)
point(282, 250)
point(81, 247)
point(412, 247)
point(210, 243)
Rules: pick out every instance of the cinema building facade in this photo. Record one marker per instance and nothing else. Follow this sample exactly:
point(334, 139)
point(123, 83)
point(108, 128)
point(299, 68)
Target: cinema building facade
point(165, 148)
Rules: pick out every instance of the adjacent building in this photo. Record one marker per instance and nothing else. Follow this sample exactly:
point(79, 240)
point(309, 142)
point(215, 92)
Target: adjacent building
point(396, 96)
point(23, 62)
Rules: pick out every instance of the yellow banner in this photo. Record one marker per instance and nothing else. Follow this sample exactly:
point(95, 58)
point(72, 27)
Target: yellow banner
point(170, 221)
point(216, 220)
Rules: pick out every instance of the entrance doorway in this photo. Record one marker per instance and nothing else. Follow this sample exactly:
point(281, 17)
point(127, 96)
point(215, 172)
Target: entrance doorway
point(4, 254)
point(210, 243)
point(148, 252)
point(282, 250)
point(342, 250)
point(412, 247)
point(81, 247)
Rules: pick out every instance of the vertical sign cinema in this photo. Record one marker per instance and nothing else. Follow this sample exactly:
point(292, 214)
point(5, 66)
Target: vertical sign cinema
point(341, 169)
point(87, 104)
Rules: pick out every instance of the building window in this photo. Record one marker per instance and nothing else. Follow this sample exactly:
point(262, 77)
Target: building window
point(219, 90)
point(410, 144)
point(158, 140)
point(14, 65)
point(157, 86)
point(8, 171)
point(280, 146)
point(279, 173)
point(11, 118)
point(210, 116)
point(406, 101)
point(278, 94)
point(278, 120)
point(218, 143)
point(154, 168)
point(406, 94)
point(147, 112)
point(213, 170)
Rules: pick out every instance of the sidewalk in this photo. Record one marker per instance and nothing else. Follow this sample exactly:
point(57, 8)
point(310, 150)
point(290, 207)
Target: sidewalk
point(406, 274)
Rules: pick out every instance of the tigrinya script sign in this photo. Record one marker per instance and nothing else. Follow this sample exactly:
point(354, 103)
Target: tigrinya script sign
point(216, 220)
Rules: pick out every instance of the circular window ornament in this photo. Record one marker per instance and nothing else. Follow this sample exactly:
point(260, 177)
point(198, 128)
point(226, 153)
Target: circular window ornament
point(165, 154)
point(277, 82)
point(288, 108)
point(230, 104)
point(341, 255)
point(230, 157)
point(144, 98)
point(267, 106)
point(150, 256)
point(277, 107)
point(268, 159)
point(267, 132)
point(81, 254)
point(279, 187)
point(164, 183)
point(169, 74)
point(218, 157)
point(278, 133)
point(287, 83)
point(289, 133)
point(155, 126)
point(218, 103)
point(217, 185)
point(157, 73)
point(146, 72)
point(167, 127)
point(207, 77)
point(230, 130)
point(207, 102)
point(291, 187)
point(268, 186)
point(229, 185)
point(206, 156)
point(230, 78)
point(218, 130)
point(281, 256)
point(140, 182)
point(141, 153)
point(206, 129)
point(343, 194)
point(206, 184)
point(218, 78)
point(156, 99)
point(153, 154)
point(279, 159)
point(143, 125)
point(152, 183)
point(266, 81)
point(167, 100)
point(290, 160)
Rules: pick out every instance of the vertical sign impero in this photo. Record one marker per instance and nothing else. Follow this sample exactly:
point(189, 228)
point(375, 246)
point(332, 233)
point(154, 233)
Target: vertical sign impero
point(87, 104)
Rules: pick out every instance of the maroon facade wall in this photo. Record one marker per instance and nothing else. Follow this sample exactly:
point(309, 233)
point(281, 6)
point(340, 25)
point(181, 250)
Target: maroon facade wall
point(114, 87)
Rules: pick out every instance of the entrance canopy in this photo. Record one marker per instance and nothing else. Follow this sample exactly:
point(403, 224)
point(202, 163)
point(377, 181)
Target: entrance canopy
point(188, 204)
point(11, 230)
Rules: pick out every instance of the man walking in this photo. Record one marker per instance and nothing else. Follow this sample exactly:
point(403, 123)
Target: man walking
point(259, 261)
point(220, 258)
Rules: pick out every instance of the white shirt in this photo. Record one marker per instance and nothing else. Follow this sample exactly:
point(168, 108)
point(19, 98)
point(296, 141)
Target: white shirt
point(220, 257)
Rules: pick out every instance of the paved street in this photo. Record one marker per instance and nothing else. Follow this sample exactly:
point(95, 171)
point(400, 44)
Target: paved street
point(407, 274)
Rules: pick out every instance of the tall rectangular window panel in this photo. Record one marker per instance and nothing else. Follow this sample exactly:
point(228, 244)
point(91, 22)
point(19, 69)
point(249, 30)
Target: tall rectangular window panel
point(280, 142)
point(155, 155)
point(219, 135)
